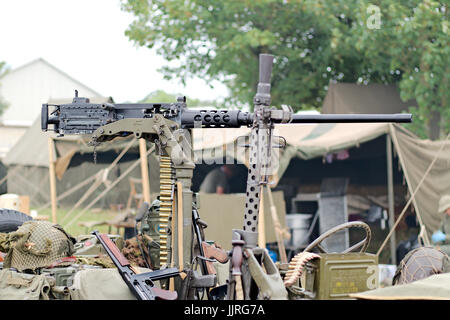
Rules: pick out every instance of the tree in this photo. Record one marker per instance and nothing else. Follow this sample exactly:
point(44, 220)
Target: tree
point(314, 42)
point(3, 70)
point(222, 40)
point(412, 41)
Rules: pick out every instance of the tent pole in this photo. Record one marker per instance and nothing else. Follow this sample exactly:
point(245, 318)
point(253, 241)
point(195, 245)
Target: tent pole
point(112, 185)
point(51, 168)
point(390, 188)
point(144, 170)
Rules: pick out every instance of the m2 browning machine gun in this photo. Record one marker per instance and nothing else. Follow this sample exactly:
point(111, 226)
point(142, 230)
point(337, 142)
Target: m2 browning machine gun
point(166, 124)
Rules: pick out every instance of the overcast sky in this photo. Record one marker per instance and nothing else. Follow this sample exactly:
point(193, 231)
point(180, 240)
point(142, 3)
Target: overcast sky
point(85, 39)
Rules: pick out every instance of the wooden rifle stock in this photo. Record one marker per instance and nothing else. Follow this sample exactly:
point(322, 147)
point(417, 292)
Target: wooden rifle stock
point(212, 252)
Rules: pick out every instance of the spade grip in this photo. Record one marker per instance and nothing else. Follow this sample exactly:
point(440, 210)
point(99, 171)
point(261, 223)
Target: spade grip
point(237, 257)
point(265, 67)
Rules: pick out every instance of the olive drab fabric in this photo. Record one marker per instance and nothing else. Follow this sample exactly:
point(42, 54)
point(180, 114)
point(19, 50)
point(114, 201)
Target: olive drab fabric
point(435, 287)
point(444, 228)
point(21, 286)
point(444, 204)
point(317, 140)
point(37, 244)
point(99, 284)
point(102, 284)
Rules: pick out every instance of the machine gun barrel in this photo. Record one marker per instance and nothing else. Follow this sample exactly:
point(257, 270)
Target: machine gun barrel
point(351, 118)
point(237, 118)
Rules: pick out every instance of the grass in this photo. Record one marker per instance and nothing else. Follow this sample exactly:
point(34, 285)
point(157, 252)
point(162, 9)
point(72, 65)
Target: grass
point(74, 229)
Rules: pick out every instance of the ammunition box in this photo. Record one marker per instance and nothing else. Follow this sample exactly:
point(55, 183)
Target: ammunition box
point(336, 275)
point(63, 278)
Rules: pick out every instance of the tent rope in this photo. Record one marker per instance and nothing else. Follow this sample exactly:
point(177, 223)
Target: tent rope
point(100, 177)
point(425, 239)
point(69, 192)
point(108, 188)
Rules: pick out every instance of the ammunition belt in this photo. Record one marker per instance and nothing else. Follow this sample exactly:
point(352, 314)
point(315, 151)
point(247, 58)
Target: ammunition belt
point(166, 197)
point(296, 266)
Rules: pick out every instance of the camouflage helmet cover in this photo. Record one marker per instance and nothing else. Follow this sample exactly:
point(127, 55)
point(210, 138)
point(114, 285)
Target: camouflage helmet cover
point(37, 244)
point(444, 203)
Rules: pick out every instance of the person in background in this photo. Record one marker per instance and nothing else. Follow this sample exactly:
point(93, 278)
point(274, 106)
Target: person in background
point(217, 180)
point(441, 237)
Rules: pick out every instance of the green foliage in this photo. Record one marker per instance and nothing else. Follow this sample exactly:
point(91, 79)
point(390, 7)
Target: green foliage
point(3, 70)
point(314, 42)
point(413, 43)
point(222, 40)
point(89, 216)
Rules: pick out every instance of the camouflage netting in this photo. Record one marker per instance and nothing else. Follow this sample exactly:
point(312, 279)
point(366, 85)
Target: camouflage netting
point(101, 261)
point(421, 263)
point(36, 244)
point(132, 252)
point(3, 243)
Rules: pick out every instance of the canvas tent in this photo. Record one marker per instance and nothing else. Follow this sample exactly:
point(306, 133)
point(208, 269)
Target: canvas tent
point(319, 140)
point(372, 98)
point(415, 155)
point(28, 164)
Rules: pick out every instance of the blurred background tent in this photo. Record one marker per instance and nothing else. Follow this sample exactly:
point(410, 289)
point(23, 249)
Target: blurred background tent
point(25, 88)
point(358, 98)
point(358, 152)
point(3, 173)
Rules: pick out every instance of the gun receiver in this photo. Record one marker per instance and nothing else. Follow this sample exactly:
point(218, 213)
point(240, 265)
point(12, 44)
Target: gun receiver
point(141, 284)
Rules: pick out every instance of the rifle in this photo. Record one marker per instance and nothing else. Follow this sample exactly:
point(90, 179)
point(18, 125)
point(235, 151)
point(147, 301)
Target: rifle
point(141, 284)
point(208, 253)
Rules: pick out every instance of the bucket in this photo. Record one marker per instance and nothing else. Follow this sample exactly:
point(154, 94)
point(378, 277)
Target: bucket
point(298, 225)
point(10, 201)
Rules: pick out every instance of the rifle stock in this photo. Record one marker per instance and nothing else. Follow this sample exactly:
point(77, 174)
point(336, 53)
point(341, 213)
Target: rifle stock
point(212, 252)
point(140, 284)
